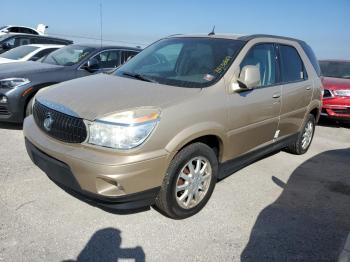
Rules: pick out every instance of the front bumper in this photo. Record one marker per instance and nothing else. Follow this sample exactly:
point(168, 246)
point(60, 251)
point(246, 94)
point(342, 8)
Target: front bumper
point(13, 111)
point(95, 174)
point(336, 107)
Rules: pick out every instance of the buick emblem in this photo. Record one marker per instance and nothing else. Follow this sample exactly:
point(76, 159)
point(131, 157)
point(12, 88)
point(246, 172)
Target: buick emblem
point(48, 121)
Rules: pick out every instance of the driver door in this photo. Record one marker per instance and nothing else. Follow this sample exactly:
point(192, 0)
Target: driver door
point(254, 113)
point(102, 62)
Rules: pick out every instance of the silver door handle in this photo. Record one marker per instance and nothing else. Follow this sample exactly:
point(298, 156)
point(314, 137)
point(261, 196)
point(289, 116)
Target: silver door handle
point(308, 87)
point(276, 95)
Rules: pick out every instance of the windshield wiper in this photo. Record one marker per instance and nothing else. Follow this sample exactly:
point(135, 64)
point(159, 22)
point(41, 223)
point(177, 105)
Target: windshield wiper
point(139, 77)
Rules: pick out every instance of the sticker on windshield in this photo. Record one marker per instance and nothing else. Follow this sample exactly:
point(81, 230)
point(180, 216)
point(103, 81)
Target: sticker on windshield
point(208, 77)
point(223, 65)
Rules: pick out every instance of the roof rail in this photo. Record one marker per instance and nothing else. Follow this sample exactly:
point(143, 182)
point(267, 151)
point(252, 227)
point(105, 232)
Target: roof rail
point(250, 37)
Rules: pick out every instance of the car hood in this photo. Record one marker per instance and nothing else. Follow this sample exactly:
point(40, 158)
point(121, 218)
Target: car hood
point(99, 95)
point(335, 83)
point(25, 68)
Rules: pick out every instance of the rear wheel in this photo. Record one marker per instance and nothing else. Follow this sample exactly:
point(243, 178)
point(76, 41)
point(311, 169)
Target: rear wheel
point(189, 182)
point(304, 139)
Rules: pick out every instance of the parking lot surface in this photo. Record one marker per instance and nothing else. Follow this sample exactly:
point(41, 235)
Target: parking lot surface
point(283, 207)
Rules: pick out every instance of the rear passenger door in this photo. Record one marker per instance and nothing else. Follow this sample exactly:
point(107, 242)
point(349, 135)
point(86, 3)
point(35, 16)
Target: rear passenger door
point(296, 89)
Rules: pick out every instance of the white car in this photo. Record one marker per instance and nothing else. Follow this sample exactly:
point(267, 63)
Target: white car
point(40, 30)
point(27, 53)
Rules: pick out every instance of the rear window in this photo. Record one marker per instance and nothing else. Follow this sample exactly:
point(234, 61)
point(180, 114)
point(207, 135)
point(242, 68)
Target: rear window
point(292, 67)
point(312, 57)
point(18, 52)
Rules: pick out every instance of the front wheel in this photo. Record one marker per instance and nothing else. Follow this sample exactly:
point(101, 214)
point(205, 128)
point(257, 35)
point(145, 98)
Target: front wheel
point(304, 139)
point(29, 107)
point(189, 182)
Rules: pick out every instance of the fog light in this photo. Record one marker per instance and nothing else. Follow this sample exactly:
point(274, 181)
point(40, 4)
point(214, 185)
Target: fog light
point(3, 99)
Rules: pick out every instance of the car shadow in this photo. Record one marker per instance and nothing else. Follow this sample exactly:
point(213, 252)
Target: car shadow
point(333, 123)
point(311, 218)
point(11, 126)
point(105, 245)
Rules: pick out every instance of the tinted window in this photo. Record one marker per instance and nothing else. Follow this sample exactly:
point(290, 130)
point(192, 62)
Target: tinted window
point(184, 61)
point(29, 31)
point(292, 67)
point(22, 40)
point(311, 55)
point(13, 30)
point(42, 53)
point(126, 55)
point(18, 52)
point(263, 56)
point(335, 69)
point(108, 59)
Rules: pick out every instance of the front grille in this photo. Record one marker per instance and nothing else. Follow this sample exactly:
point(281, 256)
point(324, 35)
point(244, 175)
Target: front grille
point(341, 111)
point(63, 127)
point(4, 110)
point(327, 93)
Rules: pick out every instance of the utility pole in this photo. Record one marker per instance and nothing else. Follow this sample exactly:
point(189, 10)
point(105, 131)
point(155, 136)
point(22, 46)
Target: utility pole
point(101, 21)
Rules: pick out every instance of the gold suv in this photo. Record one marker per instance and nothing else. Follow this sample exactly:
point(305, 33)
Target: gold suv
point(181, 115)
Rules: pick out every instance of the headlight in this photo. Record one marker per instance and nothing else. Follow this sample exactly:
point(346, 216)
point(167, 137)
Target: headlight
point(124, 130)
point(341, 92)
point(13, 82)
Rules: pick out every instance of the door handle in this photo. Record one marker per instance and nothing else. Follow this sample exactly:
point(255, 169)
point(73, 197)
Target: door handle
point(308, 87)
point(277, 95)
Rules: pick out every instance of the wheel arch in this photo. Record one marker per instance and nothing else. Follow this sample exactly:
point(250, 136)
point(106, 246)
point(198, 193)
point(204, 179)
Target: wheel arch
point(33, 92)
point(214, 137)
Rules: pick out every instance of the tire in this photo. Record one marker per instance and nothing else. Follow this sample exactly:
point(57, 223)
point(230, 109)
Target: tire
point(29, 107)
point(297, 147)
point(168, 199)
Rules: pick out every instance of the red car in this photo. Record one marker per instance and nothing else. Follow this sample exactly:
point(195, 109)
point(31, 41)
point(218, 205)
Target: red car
point(336, 83)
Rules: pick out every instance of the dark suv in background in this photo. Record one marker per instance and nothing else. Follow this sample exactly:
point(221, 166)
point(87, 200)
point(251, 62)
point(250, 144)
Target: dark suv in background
point(20, 81)
point(9, 41)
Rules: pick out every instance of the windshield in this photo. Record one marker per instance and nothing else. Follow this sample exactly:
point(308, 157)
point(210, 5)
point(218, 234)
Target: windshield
point(68, 55)
point(335, 69)
point(186, 62)
point(19, 52)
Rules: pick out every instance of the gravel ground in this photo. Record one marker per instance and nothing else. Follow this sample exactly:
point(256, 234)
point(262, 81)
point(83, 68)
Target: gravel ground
point(283, 207)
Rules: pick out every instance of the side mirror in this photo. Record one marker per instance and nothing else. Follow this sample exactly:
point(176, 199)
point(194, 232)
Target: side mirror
point(91, 65)
point(249, 77)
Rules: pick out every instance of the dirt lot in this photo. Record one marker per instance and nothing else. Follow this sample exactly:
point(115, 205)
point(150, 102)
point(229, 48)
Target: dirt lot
point(283, 207)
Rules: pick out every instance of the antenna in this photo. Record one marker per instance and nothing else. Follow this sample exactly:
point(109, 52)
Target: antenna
point(101, 22)
point(212, 31)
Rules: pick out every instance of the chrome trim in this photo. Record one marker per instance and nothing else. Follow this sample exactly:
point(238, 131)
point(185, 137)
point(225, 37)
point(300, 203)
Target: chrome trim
point(126, 125)
point(57, 107)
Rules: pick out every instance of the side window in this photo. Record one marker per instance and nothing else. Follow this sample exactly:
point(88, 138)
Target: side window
point(292, 67)
point(30, 31)
point(263, 56)
point(22, 41)
point(42, 53)
point(13, 30)
point(126, 55)
point(108, 59)
point(11, 42)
